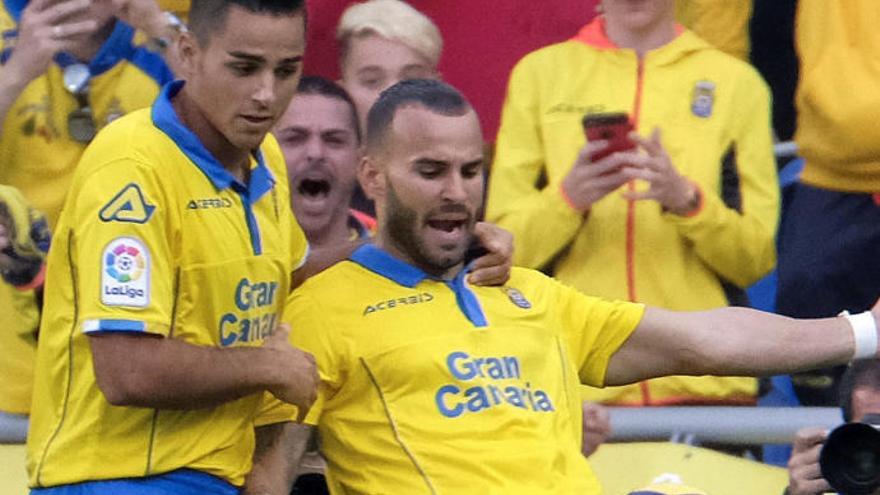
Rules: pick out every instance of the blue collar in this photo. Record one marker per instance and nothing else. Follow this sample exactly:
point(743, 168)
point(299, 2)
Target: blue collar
point(378, 260)
point(382, 263)
point(118, 45)
point(165, 118)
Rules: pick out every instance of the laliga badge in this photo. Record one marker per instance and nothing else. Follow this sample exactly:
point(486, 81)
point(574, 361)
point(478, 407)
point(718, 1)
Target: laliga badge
point(517, 298)
point(125, 273)
point(703, 98)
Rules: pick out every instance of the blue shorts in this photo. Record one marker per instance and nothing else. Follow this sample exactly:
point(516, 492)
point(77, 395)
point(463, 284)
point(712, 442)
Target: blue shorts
point(180, 482)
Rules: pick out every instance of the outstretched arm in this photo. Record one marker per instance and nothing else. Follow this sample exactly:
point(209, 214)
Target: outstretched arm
point(729, 342)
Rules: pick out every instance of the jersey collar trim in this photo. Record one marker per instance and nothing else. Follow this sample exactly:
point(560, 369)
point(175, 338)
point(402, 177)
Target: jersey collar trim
point(165, 118)
point(383, 263)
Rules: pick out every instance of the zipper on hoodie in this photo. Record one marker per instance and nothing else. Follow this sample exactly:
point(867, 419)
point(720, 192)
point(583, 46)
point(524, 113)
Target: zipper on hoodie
point(631, 215)
point(631, 186)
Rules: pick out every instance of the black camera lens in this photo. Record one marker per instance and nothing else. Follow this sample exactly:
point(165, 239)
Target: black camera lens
point(850, 459)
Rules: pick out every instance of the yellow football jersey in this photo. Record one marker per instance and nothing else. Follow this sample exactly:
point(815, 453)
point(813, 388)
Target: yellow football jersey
point(19, 347)
point(157, 237)
point(37, 152)
point(431, 386)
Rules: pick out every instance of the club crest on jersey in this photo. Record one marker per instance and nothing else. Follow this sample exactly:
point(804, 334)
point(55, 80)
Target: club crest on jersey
point(129, 205)
point(517, 298)
point(703, 99)
point(125, 273)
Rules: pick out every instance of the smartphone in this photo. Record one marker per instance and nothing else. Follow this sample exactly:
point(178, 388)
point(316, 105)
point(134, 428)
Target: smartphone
point(611, 127)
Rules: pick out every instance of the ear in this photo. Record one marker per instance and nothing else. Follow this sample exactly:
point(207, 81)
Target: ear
point(188, 51)
point(372, 179)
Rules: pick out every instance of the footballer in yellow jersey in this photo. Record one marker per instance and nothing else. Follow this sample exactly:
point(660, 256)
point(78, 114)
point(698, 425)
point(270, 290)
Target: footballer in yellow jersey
point(431, 386)
point(173, 258)
point(417, 372)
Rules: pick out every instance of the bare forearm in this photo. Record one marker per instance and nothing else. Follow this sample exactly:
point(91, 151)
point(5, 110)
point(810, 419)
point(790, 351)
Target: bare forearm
point(728, 341)
point(12, 84)
point(171, 374)
point(743, 341)
point(277, 455)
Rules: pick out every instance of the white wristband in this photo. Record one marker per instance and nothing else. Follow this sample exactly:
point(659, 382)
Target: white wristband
point(864, 328)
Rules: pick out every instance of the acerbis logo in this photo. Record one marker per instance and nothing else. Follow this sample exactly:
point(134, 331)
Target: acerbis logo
point(125, 263)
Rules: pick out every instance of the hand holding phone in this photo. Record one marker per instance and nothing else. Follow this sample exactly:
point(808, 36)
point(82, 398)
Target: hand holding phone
point(614, 128)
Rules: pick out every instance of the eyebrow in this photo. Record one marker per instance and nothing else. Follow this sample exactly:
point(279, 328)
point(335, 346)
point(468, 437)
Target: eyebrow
point(430, 161)
point(299, 129)
point(259, 59)
point(416, 66)
point(247, 56)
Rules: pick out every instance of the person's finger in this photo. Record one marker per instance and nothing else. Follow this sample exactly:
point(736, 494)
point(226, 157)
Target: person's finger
point(815, 486)
point(639, 195)
point(60, 11)
point(487, 260)
point(490, 275)
point(610, 163)
point(807, 438)
point(494, 238)
point(612, 181)
point(301, 412)
point(64, 31)
point(652, 145)
point(590, 149)
point(280, 336)
point(36, 6)
point(650, 176)
point(811, 471)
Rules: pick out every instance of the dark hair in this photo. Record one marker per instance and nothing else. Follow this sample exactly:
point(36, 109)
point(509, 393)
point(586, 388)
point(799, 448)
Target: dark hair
point(317, 85)
point(208, 16)
point(865, 373)
point(432, 94)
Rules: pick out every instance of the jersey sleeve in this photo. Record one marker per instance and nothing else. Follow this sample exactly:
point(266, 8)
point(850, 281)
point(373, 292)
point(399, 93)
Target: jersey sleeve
point(274, 411)
point(311, 332)
point(594, 330)
point(121, 249)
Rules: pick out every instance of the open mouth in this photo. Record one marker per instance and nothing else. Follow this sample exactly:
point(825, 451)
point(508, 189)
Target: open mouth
point(314, 188)
point(447, 225)
point(256, 119)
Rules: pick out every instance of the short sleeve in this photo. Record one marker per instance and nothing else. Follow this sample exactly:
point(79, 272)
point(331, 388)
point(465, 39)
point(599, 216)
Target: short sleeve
point(310, 331)
point(274, 411)
point(121, 233)
point(595, 329)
